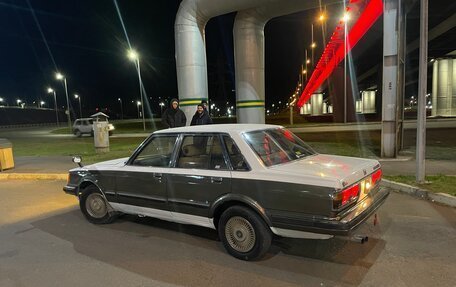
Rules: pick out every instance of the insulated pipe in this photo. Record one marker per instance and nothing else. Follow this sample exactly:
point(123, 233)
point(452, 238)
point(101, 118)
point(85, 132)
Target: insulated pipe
point(191, 20)
point(249, 54)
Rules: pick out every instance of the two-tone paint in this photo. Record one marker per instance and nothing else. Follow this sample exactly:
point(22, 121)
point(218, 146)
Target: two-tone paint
point(294, 199)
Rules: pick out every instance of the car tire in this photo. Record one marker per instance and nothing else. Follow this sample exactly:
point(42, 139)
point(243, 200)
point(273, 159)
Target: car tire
point(94, 206)
point(77, 133)
point(91, 133)
point(244, 234)
point(110, 133)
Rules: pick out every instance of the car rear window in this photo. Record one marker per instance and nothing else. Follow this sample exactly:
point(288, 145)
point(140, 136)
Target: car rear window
point(277, 146)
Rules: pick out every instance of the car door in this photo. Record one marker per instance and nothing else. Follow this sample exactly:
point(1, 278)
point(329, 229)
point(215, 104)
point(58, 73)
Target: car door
point(201, 175)
point(141, 182)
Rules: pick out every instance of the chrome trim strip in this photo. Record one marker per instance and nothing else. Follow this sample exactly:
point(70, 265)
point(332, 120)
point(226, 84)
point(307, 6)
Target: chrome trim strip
point(299, 234)
point(189, 202)
point(154, 198)
point(165, 215)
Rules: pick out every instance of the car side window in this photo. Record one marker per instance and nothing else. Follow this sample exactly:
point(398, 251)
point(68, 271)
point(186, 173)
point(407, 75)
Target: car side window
point(201, 152)
point(237, 159)
point(157, 152)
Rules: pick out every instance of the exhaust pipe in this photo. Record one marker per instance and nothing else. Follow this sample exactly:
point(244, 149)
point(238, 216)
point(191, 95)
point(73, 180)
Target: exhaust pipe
point(360, 238)
point(356, 238)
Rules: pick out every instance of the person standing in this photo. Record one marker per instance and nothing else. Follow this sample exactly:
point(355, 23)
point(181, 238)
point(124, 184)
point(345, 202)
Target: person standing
point(201, 117)
point(174, 117)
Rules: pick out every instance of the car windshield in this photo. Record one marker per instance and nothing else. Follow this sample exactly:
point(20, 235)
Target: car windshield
point(276, 146)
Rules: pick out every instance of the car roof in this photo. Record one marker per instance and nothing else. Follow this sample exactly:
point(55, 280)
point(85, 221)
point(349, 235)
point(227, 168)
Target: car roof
point(83, 119)
point(238, 128)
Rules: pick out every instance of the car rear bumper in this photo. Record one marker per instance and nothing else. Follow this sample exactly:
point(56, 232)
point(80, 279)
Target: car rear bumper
point(343, 224)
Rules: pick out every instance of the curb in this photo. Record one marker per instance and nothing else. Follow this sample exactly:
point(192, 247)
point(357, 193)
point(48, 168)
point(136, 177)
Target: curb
point(441, 198)
point(29, 176)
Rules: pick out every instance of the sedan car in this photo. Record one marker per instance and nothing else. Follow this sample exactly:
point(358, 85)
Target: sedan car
point(249, 182)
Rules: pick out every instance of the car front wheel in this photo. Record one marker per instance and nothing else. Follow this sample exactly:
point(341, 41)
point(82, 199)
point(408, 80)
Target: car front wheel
point(78, 133)
point(244, 234)
point(94, 206)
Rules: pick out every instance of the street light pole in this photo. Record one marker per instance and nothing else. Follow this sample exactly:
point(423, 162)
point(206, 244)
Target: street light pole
point(141, 95)
point(345, 19)
point(312, 45)
point(50, 90)
point(62, 77)
point(80, 109)
point(121, 108)
point(133, 55)
point(422, 86)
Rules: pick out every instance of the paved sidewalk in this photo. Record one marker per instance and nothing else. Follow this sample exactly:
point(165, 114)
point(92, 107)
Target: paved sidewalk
point(39, 167)
point(408, 167)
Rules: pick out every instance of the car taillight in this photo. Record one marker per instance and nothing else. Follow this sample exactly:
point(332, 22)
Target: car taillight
point(345, 196)
point(376, 176)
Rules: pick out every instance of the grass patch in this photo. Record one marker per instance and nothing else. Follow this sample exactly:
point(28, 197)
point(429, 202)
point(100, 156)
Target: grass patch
point(435, 183)
point(121, 128)
point(343, 149)
point(119, 147)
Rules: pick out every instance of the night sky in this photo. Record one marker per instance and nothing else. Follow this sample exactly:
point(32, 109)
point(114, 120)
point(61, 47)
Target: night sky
point(85, 41)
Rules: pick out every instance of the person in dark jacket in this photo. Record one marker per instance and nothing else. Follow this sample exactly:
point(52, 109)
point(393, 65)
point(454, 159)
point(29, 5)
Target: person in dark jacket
point(174, 117)
point(201, 117)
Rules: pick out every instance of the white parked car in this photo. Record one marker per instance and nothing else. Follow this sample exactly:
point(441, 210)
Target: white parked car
point(249, 182)
point(85, 126)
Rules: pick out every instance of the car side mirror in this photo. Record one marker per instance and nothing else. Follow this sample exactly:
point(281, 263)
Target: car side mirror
point(78, 160)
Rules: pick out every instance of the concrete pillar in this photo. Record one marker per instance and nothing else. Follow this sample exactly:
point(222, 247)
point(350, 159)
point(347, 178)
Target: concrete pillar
point(368, 100)
point(307, 109)
point(389, 146)
point(359, 106)
point(444, 87)
point(316, 102)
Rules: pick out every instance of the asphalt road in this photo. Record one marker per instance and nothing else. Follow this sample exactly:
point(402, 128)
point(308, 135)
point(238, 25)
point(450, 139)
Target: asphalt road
point(45, 241)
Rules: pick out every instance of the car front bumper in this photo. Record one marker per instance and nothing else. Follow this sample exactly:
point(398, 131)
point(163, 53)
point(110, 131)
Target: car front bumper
point(73, 190)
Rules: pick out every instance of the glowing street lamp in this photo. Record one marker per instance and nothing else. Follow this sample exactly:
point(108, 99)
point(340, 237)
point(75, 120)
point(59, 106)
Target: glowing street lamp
point(76, 96)
point(162, 104)
point(42, 104)
point(52, 91)
point(61, 77)
point(321, 18)
point(134, 56)
point(346, 17)
point(138, 104)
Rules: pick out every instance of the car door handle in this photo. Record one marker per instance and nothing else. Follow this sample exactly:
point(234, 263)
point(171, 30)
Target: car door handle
point(216, 180)
point(158, 175)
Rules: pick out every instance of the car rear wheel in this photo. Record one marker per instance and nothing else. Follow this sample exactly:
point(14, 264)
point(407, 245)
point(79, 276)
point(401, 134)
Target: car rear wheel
point(244, 234)
point(94, 206)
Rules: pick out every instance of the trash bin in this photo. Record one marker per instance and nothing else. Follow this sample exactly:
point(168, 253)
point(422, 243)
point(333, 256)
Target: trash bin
point(100, 132)
point(101, 137)
point(6, 155)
